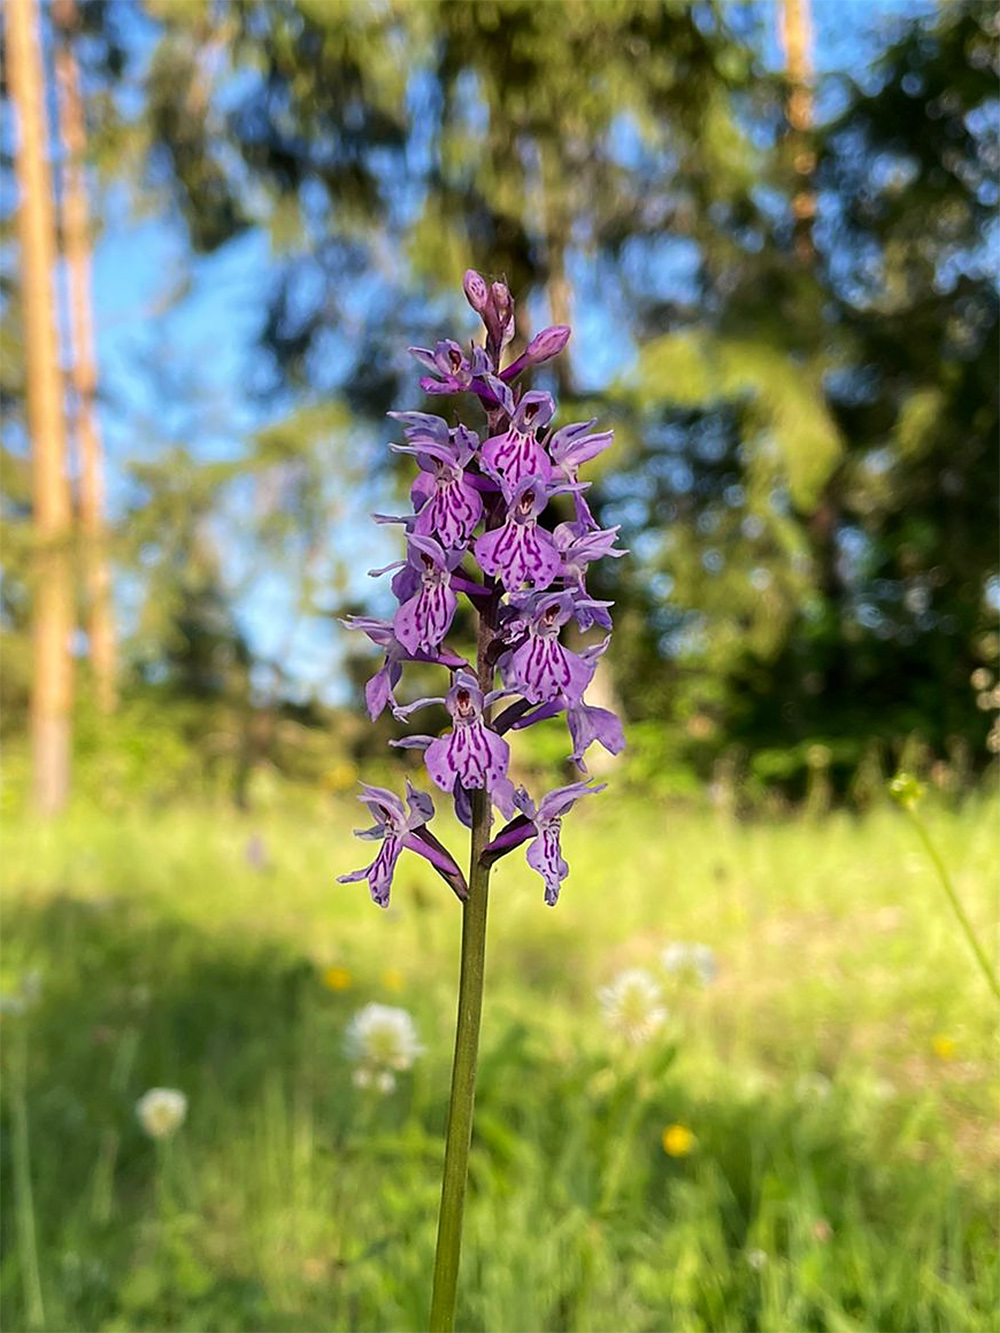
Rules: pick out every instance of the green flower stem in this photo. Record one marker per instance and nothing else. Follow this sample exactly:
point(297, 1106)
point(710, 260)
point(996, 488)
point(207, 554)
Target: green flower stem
point(463, 1078)
point(470, 1009)
point(949, 888)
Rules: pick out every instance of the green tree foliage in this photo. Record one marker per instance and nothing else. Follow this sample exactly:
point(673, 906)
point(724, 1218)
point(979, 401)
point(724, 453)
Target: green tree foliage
point(804, 464)
point(821, 443)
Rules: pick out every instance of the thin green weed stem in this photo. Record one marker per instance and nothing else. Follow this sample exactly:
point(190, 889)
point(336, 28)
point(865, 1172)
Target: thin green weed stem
point(953, 898)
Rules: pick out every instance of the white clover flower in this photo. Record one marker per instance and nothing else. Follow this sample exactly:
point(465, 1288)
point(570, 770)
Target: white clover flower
point(382, 1040)
point(693, 960)
point(161, 1111)
point(631, 1005)
point(757, 1259)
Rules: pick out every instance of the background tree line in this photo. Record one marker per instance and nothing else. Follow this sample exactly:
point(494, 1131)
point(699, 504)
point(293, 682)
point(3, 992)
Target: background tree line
point(789, 313)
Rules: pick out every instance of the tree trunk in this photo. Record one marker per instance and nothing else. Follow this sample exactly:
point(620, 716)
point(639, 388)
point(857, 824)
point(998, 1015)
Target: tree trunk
point(83, 368)
point(795, 31)
point(52, 683)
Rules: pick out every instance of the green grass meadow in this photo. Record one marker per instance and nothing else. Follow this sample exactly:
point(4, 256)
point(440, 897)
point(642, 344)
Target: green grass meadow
point(838, 1077)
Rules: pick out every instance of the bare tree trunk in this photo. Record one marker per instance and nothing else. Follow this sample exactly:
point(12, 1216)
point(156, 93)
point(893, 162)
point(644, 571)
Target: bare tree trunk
point(52, 683)
point(795, 31)
point(83, 369)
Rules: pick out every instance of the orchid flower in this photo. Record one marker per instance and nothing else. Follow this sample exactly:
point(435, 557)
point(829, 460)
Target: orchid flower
point(398, 827)
point(482, 527)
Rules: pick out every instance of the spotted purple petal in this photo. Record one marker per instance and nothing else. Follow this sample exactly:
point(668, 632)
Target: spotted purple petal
point(544, 855)
point(520, 551)
point(471, 754)
point(516, 455)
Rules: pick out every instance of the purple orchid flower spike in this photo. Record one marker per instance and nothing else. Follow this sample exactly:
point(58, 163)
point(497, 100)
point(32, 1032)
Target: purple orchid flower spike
point(542, 825)
point(542, 669)
point(516, 455)
point(520, 551)
point(399, 827)
point(486, 502)
point(570, 447)
point(425, 617)
point(471, 753)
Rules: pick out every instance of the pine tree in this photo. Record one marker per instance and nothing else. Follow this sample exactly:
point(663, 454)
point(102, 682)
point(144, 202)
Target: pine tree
point(52, 588)
point(83, 367)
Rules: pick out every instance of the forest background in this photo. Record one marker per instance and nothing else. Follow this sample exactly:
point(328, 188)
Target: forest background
point(777, 248)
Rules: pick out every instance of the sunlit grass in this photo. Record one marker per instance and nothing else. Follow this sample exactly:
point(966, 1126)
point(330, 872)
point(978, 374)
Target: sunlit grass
point(808, 1141)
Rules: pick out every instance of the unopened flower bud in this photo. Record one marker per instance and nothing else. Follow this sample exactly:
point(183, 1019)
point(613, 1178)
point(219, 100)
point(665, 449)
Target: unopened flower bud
point(547, 344)
point(503, 313)
point(502, 302)
point(477, 293)
point(543, 347)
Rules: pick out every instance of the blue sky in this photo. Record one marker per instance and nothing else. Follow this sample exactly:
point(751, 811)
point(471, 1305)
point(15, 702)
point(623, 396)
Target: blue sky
point(202, 347)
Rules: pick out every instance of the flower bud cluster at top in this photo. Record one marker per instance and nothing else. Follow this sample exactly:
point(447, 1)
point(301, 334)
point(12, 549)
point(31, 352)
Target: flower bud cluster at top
point(478, 530)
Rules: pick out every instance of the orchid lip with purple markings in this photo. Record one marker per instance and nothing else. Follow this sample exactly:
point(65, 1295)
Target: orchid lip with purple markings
point(490, 498)
point(447, 502)
point(520, 551)
point(517, 455)
point(471, 753)
point(542, 668)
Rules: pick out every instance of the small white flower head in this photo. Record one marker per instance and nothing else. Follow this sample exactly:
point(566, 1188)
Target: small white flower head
point(813, 1087)
point(161, 1111)
point(690, 960)
point(757, 1259)
point(632, 1005)
point(382, 1040)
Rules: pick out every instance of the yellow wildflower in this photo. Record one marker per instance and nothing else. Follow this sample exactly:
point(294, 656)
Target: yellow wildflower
point(393, 980)
point(337, 978)
point(943, 1047)
point(678, 1141)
